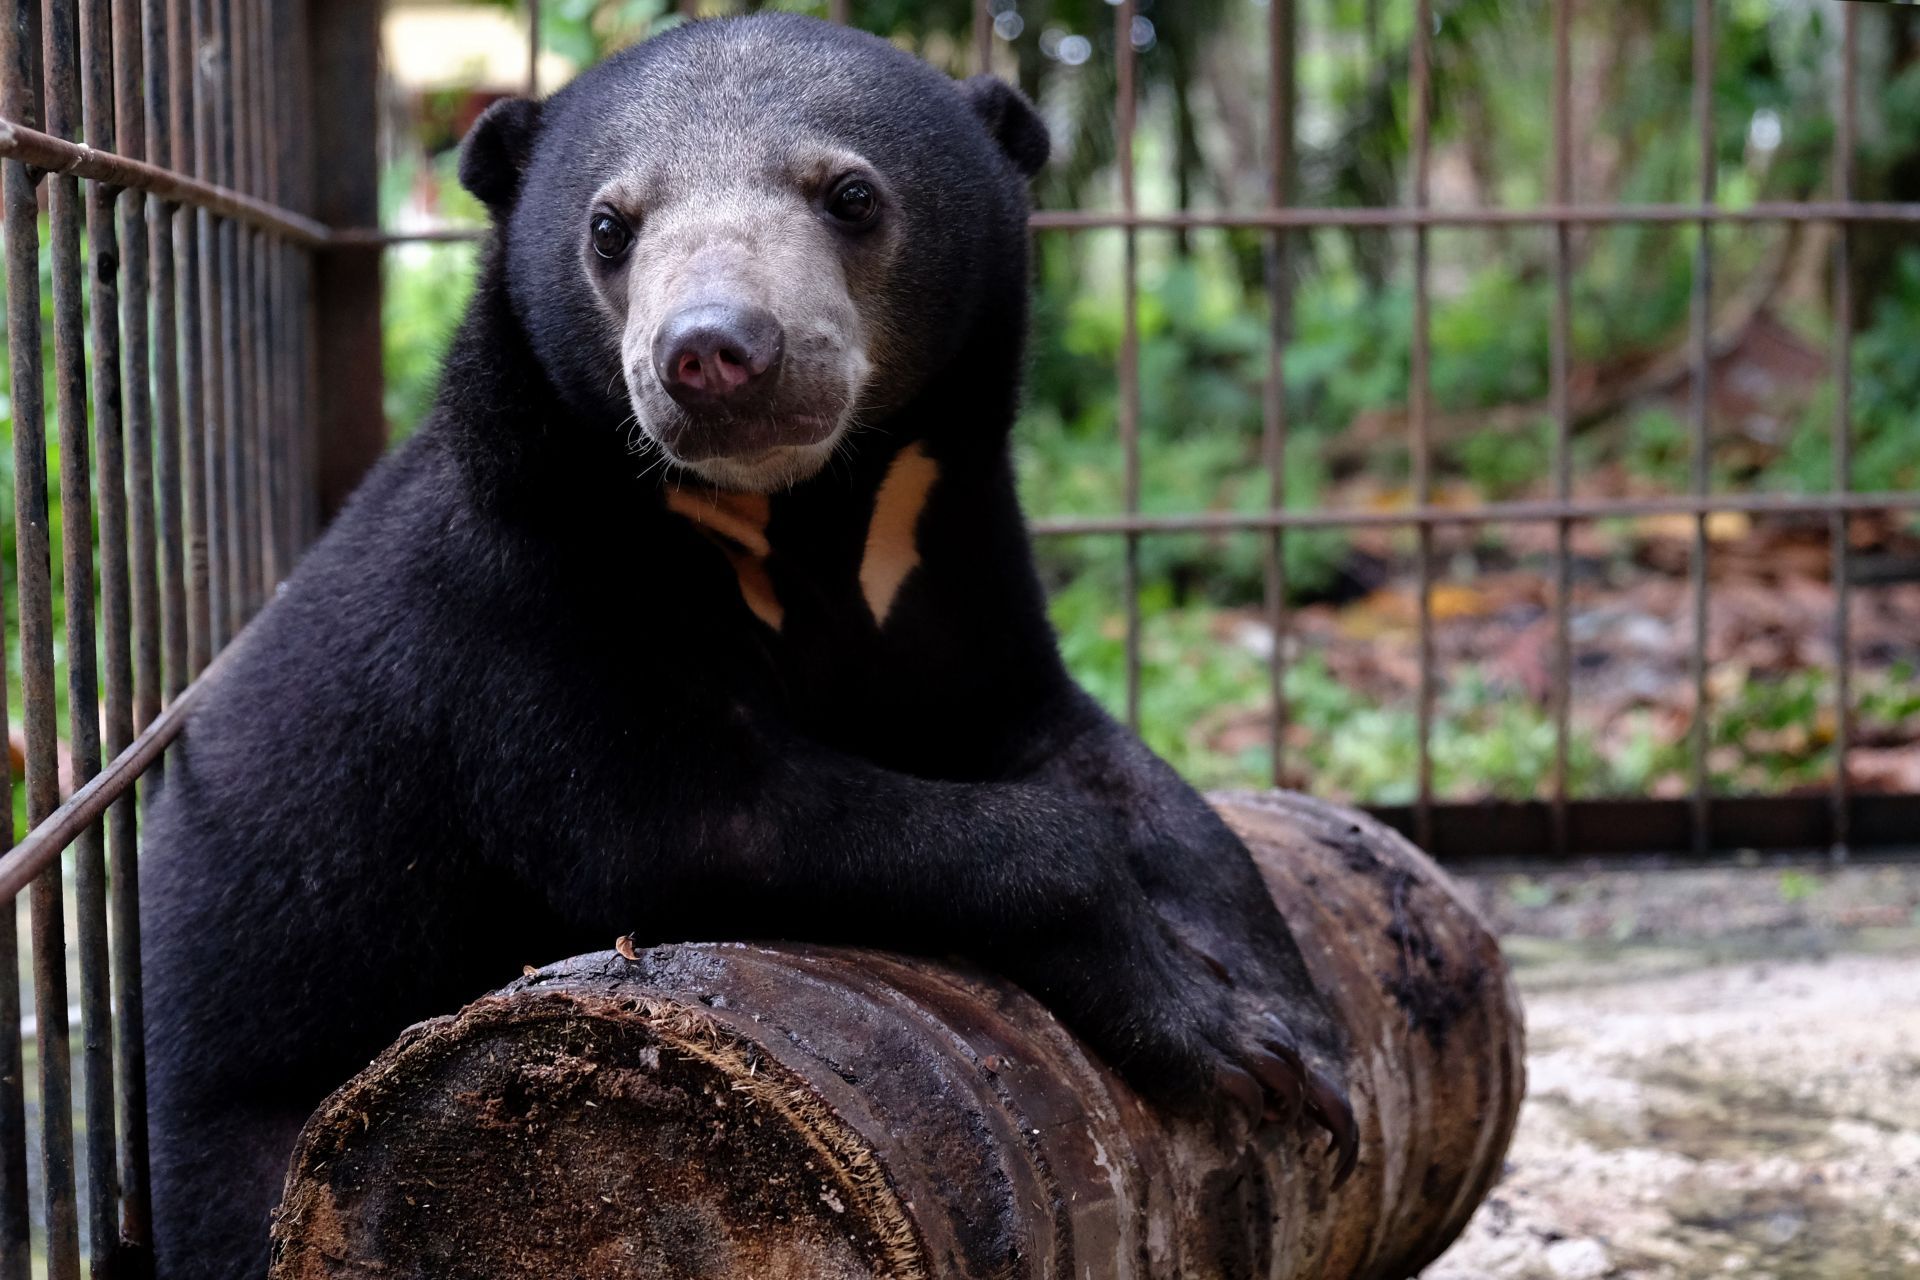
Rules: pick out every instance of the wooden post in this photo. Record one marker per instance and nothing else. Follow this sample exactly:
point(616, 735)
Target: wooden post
point(713, 1111)
point(343, 52)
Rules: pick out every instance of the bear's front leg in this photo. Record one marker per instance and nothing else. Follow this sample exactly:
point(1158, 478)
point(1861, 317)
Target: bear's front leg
point(1044, 883)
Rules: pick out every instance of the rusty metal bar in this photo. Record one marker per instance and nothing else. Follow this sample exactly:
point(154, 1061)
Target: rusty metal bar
point(1125, 107)
point(1577, 510)
point(242, 542)
point(1845, 165)
point(133, 661)
point(1282, 32)
point(1703, 61)
point(85, 730)
point(152, 419)
point(20, 141)
point(1419, 406)
point(1535, 216)
point(241, 553)
point(210, 546)
point(1562, 401)
point(1321, 219)
point(341, 59)
point(266, 567)
point(20, 84)
point(1654, 833)
point(260, 407)
point(533, 48)
point(41, 847)
point(839, 11)
point(983, 37)
point(166, 427)
point(259, 479)
point(46, 898)
point(226, 532)
point(190, 133)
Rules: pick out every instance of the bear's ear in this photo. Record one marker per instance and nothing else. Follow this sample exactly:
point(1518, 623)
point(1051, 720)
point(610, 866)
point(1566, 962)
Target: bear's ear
point(496, 151)
point(1012, 121)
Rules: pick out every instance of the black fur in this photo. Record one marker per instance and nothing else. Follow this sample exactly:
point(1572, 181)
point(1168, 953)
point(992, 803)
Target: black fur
point(496, 151)
point(510, 707)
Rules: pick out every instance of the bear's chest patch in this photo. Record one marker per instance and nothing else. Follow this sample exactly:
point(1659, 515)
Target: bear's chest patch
point(737, 524)
point(889, 554)
point(892, 549)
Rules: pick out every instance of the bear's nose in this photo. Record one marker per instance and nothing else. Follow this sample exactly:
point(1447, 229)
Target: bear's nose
point(718, 354)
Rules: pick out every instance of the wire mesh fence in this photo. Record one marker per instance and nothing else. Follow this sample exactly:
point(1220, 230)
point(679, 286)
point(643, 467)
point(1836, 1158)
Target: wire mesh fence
point(202, 172)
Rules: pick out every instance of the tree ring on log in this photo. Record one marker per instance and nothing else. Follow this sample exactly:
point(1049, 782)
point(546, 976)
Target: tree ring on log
point(646, 1136)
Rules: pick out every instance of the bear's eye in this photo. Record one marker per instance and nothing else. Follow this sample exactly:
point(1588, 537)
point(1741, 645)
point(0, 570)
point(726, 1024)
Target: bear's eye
point(611, 236)
point(854, 202)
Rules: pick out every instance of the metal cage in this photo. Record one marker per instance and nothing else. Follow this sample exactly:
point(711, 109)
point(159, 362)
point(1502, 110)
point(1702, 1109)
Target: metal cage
point(216, 346)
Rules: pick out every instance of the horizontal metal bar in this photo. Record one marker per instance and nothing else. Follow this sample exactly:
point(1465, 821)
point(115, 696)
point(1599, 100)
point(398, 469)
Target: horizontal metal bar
point(1520, 831)
point(1325, 218)
point(56, 155)
point(59, 156)
point(39, 848)
point(374, 237)
point(1533, 215)
point(1490, 513)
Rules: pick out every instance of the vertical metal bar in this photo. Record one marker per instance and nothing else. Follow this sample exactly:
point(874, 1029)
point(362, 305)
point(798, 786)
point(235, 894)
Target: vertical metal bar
point(1703, 61)
point(342, 59)
point(837, 11)
point(287, 411)
point(20, 84)
point(100, 82)
point(266, 563)
point(258, 480)
point(134, 690)
point(236, 15)
point(229, 501)
point(159, 620)
point(192, 240)
point(1845, 165)
point(1124, 109)
point(1562, 358)
point(278, 417)
point(1281, 36)
point(167, 354)
point(209, 151)
point(1419, 406)
point(33, 540)
point(242, 547)
point(132, 95)
point(533, 48)
point(983, 37)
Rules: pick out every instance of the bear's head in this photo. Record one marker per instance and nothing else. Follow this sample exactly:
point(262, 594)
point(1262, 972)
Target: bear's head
point(747, 236)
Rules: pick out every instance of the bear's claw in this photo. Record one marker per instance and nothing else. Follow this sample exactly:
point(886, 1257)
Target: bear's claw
point(1328, 1108)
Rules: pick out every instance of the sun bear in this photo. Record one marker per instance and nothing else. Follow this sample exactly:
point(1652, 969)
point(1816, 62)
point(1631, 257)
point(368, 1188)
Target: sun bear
point(700, 607)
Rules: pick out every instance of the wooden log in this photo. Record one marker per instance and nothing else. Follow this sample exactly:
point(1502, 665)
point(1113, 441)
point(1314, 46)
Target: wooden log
point(804, 1113)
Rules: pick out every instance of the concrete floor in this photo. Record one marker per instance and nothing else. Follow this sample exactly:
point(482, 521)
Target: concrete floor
point(1724, 1078)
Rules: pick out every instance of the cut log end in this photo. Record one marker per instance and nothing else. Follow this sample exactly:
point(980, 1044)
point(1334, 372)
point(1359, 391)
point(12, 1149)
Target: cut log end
point(792, 1112)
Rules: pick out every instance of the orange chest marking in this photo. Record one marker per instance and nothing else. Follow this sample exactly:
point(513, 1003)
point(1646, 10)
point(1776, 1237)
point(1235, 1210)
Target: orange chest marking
point(893, 547)
point(737, 523)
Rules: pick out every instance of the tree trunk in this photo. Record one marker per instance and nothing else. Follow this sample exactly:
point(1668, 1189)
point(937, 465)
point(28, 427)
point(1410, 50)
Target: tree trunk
point(802, 1113)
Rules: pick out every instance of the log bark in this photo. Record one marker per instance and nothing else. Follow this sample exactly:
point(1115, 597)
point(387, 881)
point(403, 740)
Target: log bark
point(804, 1113)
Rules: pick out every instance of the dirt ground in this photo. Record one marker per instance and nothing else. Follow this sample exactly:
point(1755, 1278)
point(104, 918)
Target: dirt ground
point(1724, 1078)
